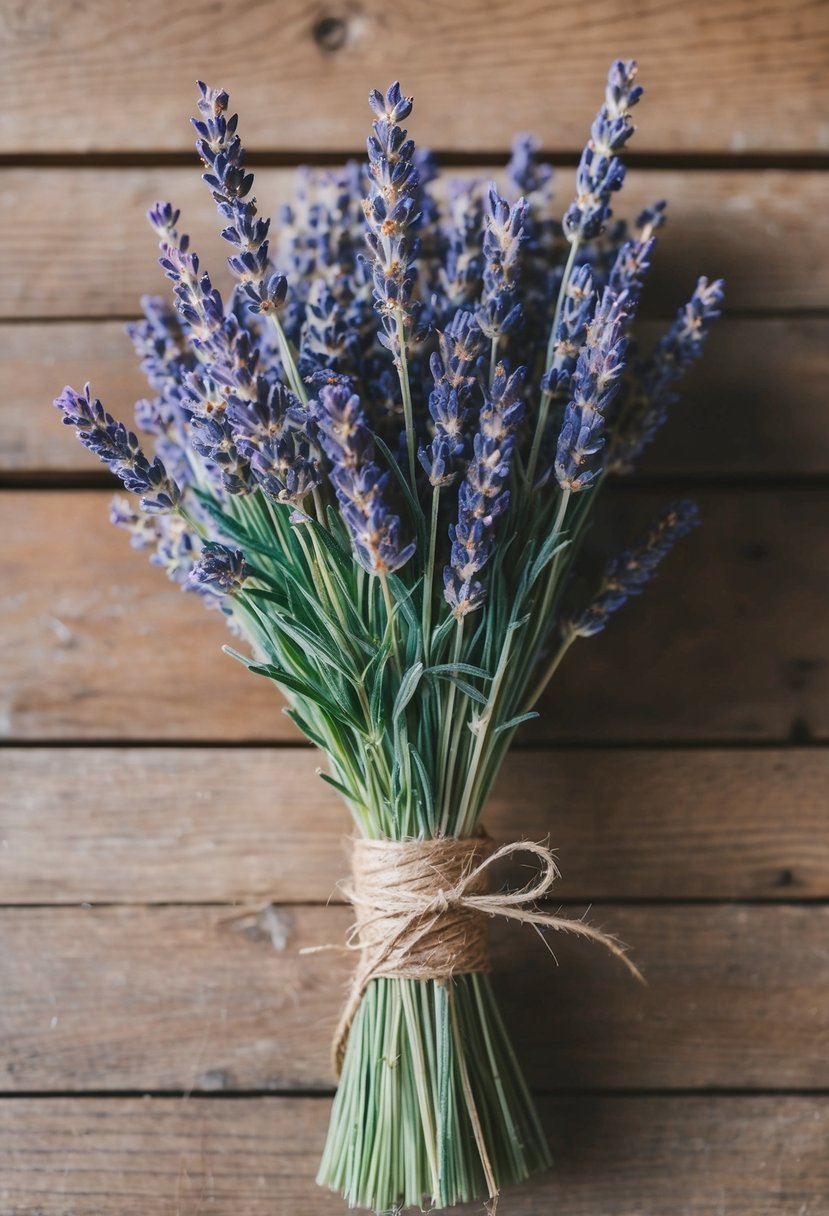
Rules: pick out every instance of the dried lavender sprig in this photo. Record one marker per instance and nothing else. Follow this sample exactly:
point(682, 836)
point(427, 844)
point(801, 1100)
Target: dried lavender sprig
point(461, 275)
point(119, 449)
point(600, 170)
point(220, 570)
point(525, 173)
point(647, 408)
point(393, 218)
point(599, 174)
point(483, 496)
point(174, 543)
point(220, 148)
point(596, 382)
point(362, 488)
point(500, 309)
point(630, 573)
point(450, 402)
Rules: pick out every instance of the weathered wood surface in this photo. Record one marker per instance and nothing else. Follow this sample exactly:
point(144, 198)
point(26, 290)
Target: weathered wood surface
point(728, 423)
point(730, 642)
point(176, 825)
point(765, 231)
point(720, 76)
point(213, 998)
point(615, 1155)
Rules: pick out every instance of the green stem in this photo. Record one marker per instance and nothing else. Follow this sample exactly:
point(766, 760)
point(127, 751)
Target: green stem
point(444, 785)
point(549, 671)
point(429, 575)
point(406, 391)
point(289, 360)
point(546, 397)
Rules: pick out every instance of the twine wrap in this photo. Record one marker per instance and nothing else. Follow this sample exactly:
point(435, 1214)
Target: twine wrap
point(422, 910)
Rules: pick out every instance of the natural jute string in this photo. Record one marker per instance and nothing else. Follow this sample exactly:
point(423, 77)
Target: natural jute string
point(422, 908)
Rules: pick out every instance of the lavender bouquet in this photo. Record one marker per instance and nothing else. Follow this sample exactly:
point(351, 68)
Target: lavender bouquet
point(378, 459)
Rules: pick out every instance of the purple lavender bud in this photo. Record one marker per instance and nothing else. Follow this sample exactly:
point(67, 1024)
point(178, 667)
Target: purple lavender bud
point(483, 497)
point(271, 431)
point(220, 570)
point(461, 275)
point(500, 308)
point(630, 573)
point(454, 372)
point(578, 304)
point(392, 214)
point(119, 450)
point(222, 153)
point(600, 171)
point(360, 485)
point(525, 173)
point(649, 401)
point(596, 381)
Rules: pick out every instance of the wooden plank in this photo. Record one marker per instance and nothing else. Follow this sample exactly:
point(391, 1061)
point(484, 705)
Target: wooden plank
point(209, 998)
point(257, 825)
point(666, 1156)
point(743, 410)
point(96, 644)
point(723, 77)
point(766, 232)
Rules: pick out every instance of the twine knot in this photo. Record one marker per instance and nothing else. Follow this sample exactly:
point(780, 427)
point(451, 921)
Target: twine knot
point(422, 910)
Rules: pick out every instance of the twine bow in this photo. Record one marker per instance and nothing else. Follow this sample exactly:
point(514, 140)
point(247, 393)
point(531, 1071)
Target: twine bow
point(422, 906)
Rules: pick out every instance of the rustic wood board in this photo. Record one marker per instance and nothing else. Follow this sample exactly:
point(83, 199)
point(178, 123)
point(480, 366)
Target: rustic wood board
point(214, 998)
point(720, 76)
point(615, 1155)
point(727, 424)
point(181, 825)
point(765, 231)
point(98, 645)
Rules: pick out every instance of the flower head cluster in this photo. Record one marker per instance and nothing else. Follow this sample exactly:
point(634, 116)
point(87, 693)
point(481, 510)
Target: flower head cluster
point(392, 214)
point(451, 402)
point(500, 308)
point(119, 450)
point(600, 171)
point(484, 496)
point(596, 381)
point(362, 488)
point(376, 392)
point(220, 148)
point(630, 573)
point(220, 570)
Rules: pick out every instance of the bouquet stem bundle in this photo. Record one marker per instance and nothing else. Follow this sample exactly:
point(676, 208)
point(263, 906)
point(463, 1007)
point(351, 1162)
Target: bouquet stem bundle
point(378, 459)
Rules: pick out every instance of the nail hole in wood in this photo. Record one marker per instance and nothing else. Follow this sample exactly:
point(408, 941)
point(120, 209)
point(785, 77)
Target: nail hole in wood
point(330, 34)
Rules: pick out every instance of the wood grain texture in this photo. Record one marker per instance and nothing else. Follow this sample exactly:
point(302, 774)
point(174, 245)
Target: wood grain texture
point(210, 998)
point(766, 232)
point(615, 1155)
point(720, 76)
point(184, 825)
point(728, 423)
point(96, 644)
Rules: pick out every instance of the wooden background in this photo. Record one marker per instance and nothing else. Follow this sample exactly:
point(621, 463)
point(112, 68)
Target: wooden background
point(165, 848)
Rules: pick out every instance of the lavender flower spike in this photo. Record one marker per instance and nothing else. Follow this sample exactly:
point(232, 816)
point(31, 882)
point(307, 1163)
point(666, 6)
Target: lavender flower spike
point(629, 573)
point(220, 570)
point(221, 151)
point(500, 309)
point(119, 450)
point(392, 215)
point(450, 402)
point(677, 351)
point(596, 382)
point(360, 485)
point(483, 495)
point(600, 171)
